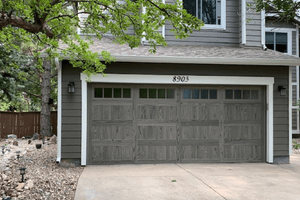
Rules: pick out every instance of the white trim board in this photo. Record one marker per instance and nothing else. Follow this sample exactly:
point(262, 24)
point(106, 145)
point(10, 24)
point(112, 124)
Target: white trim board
point(168, 79)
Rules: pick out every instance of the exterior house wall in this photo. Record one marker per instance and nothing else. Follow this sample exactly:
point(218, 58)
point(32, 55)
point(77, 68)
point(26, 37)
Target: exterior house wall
point(71, 103)
point(273, 23)
point(212, 37)
point(253, 26)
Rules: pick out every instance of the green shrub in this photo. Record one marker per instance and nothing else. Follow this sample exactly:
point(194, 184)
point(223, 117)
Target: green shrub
point(296, 146)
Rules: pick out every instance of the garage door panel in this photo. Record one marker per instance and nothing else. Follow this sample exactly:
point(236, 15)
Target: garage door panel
point(112, 112)
point(152, 112)
point(156, 133)
point(112, 153)
point(179, 124)
point(242, 112)
point(156, 153)
point(233, 133)
point(199, 153)
point(237, 153)
point(112, 132)
point(201, 133)
point(201, 112)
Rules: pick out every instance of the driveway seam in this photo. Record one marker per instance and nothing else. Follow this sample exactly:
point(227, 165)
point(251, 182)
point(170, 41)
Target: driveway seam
point(201, 181)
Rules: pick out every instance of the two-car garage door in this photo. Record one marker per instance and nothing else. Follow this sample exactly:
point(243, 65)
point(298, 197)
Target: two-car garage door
point(163, 123)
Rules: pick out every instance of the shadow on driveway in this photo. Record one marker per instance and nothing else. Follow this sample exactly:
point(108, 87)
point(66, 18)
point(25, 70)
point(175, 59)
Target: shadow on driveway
point(191, 181)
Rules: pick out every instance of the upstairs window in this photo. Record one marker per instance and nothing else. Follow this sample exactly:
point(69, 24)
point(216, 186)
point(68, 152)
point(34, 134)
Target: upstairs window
point(209, 11)
point(277, 41)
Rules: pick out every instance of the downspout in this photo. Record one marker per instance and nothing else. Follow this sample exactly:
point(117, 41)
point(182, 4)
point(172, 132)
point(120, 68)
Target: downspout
point(243, 10)
point(59, 108)
point(263, 29)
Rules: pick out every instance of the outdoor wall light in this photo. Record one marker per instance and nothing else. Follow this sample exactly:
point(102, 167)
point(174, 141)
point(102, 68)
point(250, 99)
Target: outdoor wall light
point(282, 90)
point(71, 86)
point(22, 172)
point(18, 154)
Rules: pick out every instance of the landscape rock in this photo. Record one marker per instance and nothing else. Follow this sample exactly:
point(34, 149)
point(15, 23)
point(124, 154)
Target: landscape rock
point(29, 141)
point(53, 139)
point(15, 142)
point(29, 184)
point(13, 136)
point(35, 136)
point(44, 179)
point(20, 187)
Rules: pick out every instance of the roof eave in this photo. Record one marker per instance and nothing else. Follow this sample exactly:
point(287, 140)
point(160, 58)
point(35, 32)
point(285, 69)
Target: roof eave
point(204, 60)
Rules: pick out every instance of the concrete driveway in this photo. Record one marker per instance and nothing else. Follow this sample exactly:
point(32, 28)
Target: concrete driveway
point(191, 181)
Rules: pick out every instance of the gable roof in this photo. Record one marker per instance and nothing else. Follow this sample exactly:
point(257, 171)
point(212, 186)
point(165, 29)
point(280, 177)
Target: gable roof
point(194, 54)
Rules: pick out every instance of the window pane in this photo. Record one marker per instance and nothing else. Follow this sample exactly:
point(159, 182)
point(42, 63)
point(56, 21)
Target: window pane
point(186, 93)
point(254, 94)
point(281, 42)
point(246, 94)
point(237, 94)
point(170, 93)
point(229, 94)
point(269, 38)
point(190, 6)
point(117, 92)
point(161, 93)
point(213, 94)
point(208, 11)
point(126, 93)
point(143, 93)
point(98, 92)
point(204, 94)
point(152, 93)
point(107, 92)
point(195, 94)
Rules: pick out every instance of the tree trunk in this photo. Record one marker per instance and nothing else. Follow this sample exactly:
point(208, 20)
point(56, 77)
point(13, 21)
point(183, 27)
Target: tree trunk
point(45, 93)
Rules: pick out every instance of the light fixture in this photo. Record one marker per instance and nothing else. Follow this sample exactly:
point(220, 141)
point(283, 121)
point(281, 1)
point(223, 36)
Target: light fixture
point(71, 87)
point(282, 90)
point(18, 154)
point(50, 101)
point(22, 172)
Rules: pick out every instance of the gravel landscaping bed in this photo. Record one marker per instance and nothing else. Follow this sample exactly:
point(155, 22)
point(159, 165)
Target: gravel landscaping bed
point(296, 146)
point(44, 178)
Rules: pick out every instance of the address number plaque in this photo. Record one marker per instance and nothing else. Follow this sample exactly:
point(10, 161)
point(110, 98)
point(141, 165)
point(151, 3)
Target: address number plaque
point(180, 79)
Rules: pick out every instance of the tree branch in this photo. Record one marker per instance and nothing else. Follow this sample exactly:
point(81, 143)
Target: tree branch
point(21, 23)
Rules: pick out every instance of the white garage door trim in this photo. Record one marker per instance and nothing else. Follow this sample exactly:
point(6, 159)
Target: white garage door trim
point(172, 79)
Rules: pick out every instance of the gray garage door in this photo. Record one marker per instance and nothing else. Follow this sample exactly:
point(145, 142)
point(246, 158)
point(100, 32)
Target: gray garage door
point(162, 123)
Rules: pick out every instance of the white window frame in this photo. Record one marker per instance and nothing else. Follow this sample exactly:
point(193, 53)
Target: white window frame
point(168, 79)
point(223, 18)
point(289, 36)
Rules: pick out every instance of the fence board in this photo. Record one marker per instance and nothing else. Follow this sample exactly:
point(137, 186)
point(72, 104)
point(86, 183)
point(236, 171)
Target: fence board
point(23, 123)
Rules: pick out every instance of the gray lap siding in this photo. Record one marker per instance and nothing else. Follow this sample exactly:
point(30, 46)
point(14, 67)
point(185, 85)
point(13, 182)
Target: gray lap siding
point(212, 37)
point(71, 103)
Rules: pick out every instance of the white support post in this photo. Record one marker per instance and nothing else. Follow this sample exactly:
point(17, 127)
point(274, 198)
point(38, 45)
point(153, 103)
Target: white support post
point(290, 110)
point(83, 119)
point(270, 135)
point(59, 108)
point(297, 77)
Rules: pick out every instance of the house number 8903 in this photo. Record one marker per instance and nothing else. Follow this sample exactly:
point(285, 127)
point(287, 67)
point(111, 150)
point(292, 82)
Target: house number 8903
point(180, 79)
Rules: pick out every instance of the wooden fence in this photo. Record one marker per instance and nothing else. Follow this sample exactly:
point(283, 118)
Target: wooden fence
point(23, 123)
